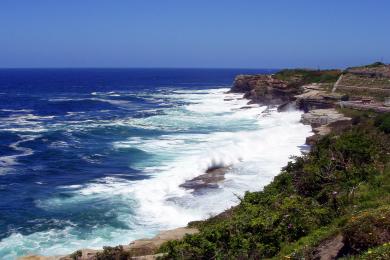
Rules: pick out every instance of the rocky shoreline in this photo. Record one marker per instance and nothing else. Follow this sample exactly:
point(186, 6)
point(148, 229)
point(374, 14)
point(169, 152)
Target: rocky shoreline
point(145, 248)
point(258, 89)
point(320, 107)
point(319, 101)
point(278, 95)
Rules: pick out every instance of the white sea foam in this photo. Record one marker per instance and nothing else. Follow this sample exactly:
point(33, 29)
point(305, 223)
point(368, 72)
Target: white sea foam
point(20, 122)
point(256, 146)
point(16, 110)
point(6, 162)
point(110, 101)
point(263, 151)
point(211, 130)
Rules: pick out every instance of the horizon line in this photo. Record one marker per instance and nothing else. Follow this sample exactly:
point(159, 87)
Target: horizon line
point(250, 68)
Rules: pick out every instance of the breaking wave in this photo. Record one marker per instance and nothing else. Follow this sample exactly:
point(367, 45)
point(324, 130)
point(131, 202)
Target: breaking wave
point(201, 129)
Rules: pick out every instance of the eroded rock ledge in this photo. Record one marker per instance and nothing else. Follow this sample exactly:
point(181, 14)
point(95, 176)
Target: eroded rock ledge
point(264, 89)
point(315, 99)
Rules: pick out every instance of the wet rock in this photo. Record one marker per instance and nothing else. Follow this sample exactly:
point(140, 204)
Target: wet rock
point(210, 179)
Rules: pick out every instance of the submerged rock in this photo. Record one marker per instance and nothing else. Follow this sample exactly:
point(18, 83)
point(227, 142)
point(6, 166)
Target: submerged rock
point(210, 179)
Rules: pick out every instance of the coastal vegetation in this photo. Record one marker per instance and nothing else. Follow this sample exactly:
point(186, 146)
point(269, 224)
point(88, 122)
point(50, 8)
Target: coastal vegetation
point(306, 76)
point(376, 64)
point(333, 200)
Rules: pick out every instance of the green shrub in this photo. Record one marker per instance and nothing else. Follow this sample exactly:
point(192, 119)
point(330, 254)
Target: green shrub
point(367, 229)
point(378, 253)
point(385, 126)
point(76, 255)
point(382, 121)
point(304, 76)
point(113, 253)
point(376, 64)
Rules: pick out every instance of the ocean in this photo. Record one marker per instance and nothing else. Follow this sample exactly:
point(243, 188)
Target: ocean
point(96, 157)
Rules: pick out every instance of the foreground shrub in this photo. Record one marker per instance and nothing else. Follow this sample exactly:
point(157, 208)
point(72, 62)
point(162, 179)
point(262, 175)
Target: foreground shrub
point(76, 255)
point(368, 229)
point(377, 253)
point(113, 253)
point(383, 122)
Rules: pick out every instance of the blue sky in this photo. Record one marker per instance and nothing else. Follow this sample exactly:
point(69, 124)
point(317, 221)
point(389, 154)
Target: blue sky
point(193, 33)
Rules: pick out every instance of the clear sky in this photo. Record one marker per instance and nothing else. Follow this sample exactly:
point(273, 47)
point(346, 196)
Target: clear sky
point(193, 33)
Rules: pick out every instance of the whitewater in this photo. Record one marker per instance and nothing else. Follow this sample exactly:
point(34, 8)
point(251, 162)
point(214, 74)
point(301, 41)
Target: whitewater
point(186, 133)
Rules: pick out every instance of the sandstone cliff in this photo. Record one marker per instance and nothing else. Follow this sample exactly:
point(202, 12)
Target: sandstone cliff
point(264, 89)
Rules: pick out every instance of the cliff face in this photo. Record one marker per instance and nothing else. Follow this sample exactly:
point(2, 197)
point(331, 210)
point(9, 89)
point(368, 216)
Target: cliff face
point(309, 89)
point(264, 89)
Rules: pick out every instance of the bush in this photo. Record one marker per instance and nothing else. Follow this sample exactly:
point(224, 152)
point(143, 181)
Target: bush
point(385, 126)
point(368, 229)
point(382, 121)
point(336, 164)
point(113, 253)
point(344, 97)
point(356, 120)
point(305, 76)
point(76, 255)
point(376, 64)
point(378, 253)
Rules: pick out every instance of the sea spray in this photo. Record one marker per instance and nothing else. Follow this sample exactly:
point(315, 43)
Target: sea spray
point(108, 171)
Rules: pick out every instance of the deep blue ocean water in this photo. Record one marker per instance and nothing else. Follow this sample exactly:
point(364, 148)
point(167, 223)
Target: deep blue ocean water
point(92, 157)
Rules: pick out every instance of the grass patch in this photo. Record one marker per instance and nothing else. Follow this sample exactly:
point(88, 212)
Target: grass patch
point(303, 76)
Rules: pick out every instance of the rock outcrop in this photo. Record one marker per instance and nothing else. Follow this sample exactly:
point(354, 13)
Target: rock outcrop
point(264, 89)
point(375, 106)
point(323, 121)
point(319, 117)
point(209, 179)
point(315, 97)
